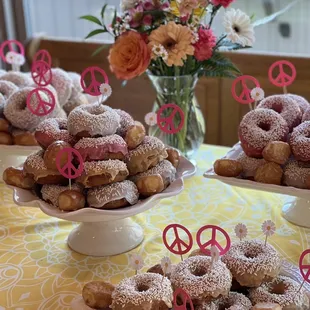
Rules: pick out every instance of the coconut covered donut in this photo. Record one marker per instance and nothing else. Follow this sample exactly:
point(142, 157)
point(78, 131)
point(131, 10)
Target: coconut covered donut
point(18, 78)
point(300, 141)
point(92, 120)
point(283, 291)
point(148, 291)
point(301, 101)
point(251, 262)
point(201, 281)
point(62, 82)
point(7, 88)
point(296, 174)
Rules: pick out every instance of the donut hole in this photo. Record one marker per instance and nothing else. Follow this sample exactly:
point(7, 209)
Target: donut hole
point(250, 254)
point(278, 288)
point(264, 126)
point(200, 271)
point(277, 107)
point(141, 287)
point(224, 306)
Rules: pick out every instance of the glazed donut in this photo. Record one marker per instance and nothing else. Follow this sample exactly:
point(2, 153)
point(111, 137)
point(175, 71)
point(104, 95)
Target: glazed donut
point(258, 128)
point(4, 125)
point(173, 157)
point(36, 168)
point(25, 138)
point(98, 173)
point(227, 167)
point(62, 82)
point(51, 153)
point(74, 102)
point(147, 155)
point(283, 291)
point(249, 165)
point(17, 177)
point(194, 276)
point(269, 173)
point(135, 135)
point(76, 84)
point(71, 200)
point(126, 121)
point(109, 147)
point(150, 185)
point(144, 291)
point(51, 130)
point(98, 294)
point(251, 262)
point(17, 113)
point(6, 138)
point(113, 196)
point(18, 78)
point(296, 174)
point(234, 301)
point(301, 101)
point(300, 141)
point(50, 193)
point(277, 151)
point(91, 120)
point(267, 306)
point(7, 88)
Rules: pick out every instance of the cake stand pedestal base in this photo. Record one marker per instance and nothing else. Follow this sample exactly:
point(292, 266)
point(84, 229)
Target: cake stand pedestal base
point(105, 238)
point(297, 212)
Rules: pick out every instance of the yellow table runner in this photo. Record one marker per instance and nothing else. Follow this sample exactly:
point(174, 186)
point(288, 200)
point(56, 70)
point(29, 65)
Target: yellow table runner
point(39, 271)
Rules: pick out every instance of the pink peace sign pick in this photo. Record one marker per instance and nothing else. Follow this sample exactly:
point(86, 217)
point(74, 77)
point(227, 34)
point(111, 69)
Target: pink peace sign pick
point(182, 246)
point(305, 268)
point(168, 124)
point(43, 55)
point(283, 79)
point(41, 101)
point(68, 170)
point(245, 96)
point(212, 242)
point(41, 73)
point(180, 294)
point(11, 44)
point(93, 73)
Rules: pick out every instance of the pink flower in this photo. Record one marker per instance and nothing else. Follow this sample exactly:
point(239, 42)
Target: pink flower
point(165, 6)
point(148, 5)
point(136, 15)
point(205, 44)
point(184, 19)
point(147, 20)
point(224, 3)
point(186, 7)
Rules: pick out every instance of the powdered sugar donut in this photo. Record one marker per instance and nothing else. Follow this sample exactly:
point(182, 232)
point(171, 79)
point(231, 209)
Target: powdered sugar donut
point(249, 165)
point(91, 120)
point(306, 116)
point(258, 128)
point(296, 174)
point(301, 101)
point(285, 106)
point(125, 122)
point(75, 102)
point(61, 81)
point(300, 141)
point(18, 78)
point(7, 88)
point(76, 84)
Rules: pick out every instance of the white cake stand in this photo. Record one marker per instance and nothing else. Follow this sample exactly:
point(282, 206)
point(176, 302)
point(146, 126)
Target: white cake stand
point(14, 156)
point(106, 232)
point(296, 211)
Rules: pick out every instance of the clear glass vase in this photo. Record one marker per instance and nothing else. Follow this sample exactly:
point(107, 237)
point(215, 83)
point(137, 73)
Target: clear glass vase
point(186, 133)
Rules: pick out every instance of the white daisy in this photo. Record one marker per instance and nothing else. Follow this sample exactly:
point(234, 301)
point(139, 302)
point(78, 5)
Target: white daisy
point(241, 231)
point(238, 27)
point(158, 50)
point(105, 90)
point(10, 58)
point(166, 265)
point(164, 55)
point(195, 37)
point(257, 94)
point(136, 262)
point(215, 254)
point(268, 228)
point(151, 118)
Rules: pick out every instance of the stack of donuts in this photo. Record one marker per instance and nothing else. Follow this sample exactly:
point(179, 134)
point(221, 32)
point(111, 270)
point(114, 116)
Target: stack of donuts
point(120, 163)
point(245, 278)
point(17, 122)
point(275, 141)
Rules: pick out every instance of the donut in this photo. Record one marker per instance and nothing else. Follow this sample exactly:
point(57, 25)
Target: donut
point(267, 306)
point(92, 120)
point(296, 174)
point(159, 270)
point(113, 196)
point(173, 156)
point(227, 167)
point(306, 115)
point(208, 305)
point(21, 137)
point(6, 138)
point(234, 301)
point(249, 165)
point(109, 147)
point(2, 72)
point(301, 101)
point(98, 294)
point(144, 291)
point(62, 82)
point(97, 173)
point(34, 166)
point(258, 128)
point(277, 152)
point(51, 153)
point(18, 78)
point(284, 106)
point(300, 141)
point(17, 177)
point(126, 121)
point(269, 173)
point(135, 135)
point(4, 125)
point(71, 200)
point(200, 279)
point(2, 104)
point(50, 193)
point(147, 155)
point(251, 262)
point(7, 88)
point(74, 102)
point(283, 291)
point(60, 113)
point(76, 84)
point(51, 130)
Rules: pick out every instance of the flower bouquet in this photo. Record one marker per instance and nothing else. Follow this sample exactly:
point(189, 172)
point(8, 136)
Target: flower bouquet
point(173, 41)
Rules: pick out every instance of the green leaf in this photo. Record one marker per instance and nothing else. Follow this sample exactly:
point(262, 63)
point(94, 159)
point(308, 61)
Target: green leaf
point(103, 10)
point(95, 32)
point(114, 19)
point(91, 18)
point(99, 50)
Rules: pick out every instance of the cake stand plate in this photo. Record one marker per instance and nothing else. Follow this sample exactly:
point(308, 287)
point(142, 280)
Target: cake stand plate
point(296, 211)
point(106, 232)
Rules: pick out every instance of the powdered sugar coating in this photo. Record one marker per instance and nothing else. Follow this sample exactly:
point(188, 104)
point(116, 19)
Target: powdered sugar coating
point(249, 164)
point(296, 173)
point(74, 102)
point(7, 88)
point(99, 167)
point(290, 297)
point(301, 101)
point(62, 82)
point(235, 301)
point(210, 281)
point(125, 122)
point(99, 196)
point(127, 291)
point(35, 162)
point(2, 104)
point(253, 135)
point(306, 116)
point(76, 84)
point(18, 78)
point(300, 141)
point(285, 106)
point(93, 118)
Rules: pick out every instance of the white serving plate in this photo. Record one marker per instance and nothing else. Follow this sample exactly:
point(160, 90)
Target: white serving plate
point(296, 212)
point(106, 232)
point(288, 270)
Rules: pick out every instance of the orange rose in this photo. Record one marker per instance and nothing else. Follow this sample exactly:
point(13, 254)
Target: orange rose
point(129, 56)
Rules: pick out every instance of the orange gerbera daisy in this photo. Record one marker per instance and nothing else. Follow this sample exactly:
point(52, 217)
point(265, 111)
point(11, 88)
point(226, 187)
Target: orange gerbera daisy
point(176, 39)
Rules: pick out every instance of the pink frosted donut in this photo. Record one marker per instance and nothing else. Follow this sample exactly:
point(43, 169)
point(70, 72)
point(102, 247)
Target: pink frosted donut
point(18, 78)
point(51, 130)
point(62, 82)
point(301, 101)
point(258, 128)
point(125, 122)
point(108, 147)
point(7, 88)
point(76, 84)
point(249, 165)
point(92, 120)
point(300, 141)
point(296, 174)
point(285, 106)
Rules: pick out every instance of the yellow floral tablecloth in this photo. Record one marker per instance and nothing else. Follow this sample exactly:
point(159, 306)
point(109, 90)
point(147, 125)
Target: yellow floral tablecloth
point(39, 271)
